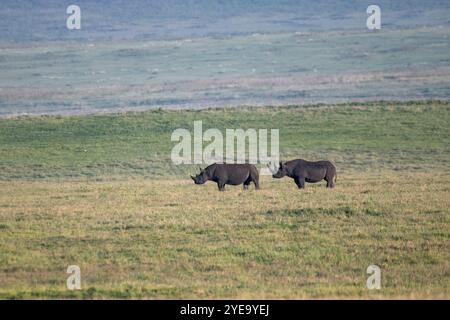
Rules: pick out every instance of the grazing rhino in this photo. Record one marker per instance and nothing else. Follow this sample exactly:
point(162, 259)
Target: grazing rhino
point(306, 171)
point(233, 174)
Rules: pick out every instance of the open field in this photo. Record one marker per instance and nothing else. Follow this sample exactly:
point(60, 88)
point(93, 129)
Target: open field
point(171, 239)
point(97, 191)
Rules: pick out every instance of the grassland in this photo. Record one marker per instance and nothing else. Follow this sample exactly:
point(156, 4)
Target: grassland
point(96, 191)
point(402, 136)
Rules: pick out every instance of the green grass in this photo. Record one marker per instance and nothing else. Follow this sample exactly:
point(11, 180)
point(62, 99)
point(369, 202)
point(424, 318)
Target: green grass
point(136, 234)
point(404, 136)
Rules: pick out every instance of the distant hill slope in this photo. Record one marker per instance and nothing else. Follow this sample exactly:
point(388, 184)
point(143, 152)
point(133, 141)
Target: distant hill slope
point(22, 21)
point(257, 70)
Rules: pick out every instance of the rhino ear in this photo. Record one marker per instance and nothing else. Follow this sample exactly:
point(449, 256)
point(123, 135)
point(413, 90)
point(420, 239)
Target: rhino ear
point(281, 165)
point(201, 170)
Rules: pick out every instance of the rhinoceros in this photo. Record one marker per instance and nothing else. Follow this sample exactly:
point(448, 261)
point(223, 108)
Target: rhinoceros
point(233, 174)
point(306, 171)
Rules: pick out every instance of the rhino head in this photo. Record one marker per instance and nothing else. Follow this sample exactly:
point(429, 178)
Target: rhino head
point(201, 178)
point(282, 171)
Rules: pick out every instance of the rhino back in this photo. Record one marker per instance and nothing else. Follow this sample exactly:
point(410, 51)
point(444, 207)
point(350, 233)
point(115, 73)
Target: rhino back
point(233, 173)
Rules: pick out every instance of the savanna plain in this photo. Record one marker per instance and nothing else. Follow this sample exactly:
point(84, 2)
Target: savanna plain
point(100, 192)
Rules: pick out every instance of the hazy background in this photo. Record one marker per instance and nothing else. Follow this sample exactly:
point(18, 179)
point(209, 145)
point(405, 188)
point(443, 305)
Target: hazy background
point(178, 19)
point(137, 55)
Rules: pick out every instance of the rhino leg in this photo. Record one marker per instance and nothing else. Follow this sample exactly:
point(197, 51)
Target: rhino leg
point(256, 182)
point(247, 182)
point(254, 176)
point(300, 182)
point(221, 186)
point(329, 180)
